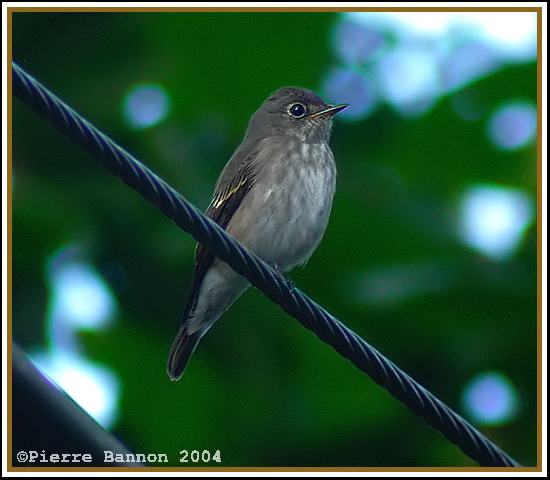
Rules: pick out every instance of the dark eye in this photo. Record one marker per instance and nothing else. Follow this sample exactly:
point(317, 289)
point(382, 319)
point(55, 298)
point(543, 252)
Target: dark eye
point(297, 110)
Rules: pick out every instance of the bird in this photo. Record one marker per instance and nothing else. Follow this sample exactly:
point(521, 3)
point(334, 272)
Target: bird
point(274, 196)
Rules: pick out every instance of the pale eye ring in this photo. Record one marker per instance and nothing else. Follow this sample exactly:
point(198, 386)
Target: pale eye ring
point(297, 110)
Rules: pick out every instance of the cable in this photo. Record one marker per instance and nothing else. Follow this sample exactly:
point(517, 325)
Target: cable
point(44, 415)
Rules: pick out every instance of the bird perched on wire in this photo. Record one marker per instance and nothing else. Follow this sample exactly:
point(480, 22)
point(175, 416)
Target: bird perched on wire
point(274, 196)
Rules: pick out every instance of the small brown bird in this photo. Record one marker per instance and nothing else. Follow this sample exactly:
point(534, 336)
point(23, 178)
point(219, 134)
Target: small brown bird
point(274, 196)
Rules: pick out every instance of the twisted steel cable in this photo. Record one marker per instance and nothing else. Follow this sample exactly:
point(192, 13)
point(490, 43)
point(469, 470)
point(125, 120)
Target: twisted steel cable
point(312, 316)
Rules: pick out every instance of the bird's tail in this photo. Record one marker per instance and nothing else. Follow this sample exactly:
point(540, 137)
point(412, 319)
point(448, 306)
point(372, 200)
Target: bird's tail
point(183, 347)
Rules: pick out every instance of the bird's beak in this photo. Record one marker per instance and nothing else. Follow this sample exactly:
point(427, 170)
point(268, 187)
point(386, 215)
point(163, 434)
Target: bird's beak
point(331, 110)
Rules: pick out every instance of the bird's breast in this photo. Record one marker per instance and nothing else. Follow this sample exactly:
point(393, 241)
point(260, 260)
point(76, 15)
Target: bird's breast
point(285, 214)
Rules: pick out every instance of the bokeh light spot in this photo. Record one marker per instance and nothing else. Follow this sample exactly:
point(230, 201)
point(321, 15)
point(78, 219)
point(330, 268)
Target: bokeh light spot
point(393, 284)
point(467, 62)
point(513, 125)
point(344, 85)
point(491, 399)
point(513, 34)
point(494, 219)
point(79, 299)
point(414, 58)
point(410, 79)
point(145, 106)
point(95, 388)
point(356, 43)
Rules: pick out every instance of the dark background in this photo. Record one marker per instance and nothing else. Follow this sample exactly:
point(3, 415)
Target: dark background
point(261, 389)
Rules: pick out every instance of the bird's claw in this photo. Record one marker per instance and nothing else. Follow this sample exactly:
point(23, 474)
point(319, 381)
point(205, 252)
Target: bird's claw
point(289, 283)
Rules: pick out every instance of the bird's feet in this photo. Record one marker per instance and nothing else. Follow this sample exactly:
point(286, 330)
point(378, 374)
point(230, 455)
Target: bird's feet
point(289, 283)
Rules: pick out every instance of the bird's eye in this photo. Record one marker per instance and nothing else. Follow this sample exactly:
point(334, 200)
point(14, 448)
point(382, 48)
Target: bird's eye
point(297, 110)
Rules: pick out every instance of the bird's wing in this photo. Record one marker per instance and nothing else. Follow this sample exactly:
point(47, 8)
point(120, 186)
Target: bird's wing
point(223, 206)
